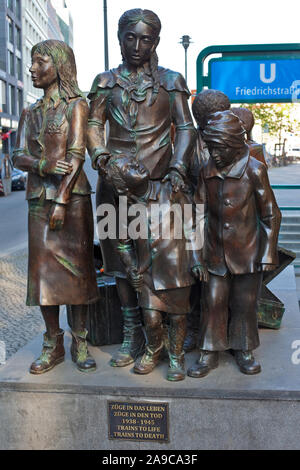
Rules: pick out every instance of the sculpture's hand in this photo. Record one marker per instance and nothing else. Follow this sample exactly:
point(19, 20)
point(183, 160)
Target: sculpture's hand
point(200, 272)
point(57, 216)
point(176, 180)
point(266, 267)
point(135, 278)
point(101, 164)
point(60, 167)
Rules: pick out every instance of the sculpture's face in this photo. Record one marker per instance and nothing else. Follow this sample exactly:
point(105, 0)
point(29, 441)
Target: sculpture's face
point(136, 177)
point(138, 42)
point(222, 154)
point(43, 72)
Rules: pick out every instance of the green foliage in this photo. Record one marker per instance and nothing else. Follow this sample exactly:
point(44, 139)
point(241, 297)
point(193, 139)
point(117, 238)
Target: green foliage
point(277, 118)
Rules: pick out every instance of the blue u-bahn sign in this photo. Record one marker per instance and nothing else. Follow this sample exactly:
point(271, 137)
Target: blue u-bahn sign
point(254, 79)
point(253, 73)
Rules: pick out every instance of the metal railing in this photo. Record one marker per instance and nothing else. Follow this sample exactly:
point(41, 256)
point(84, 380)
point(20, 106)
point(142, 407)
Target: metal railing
point(288, 208)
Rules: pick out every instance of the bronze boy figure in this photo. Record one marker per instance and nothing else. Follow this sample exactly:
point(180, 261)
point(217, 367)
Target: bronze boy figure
point(51, 146)
point(140, 101)
point(256, 150)
point(241, 233)
point(206, 102)
point(159, 267)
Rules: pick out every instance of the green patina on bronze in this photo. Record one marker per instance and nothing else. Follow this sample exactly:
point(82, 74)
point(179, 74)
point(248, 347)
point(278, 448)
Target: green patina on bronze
point(68, 265)
point(270, 313)
point(165, 140)
point(48, 347)
point(117, 116)
point(125, 248)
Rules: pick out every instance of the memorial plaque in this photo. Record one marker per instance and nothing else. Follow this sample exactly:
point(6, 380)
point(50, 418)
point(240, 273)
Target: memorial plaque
point(143, 421)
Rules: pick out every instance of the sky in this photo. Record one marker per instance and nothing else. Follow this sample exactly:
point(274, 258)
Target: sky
point(210, 22)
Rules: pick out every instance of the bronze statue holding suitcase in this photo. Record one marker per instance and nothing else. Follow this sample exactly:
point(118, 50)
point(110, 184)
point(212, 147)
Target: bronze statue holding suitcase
point(241, 232)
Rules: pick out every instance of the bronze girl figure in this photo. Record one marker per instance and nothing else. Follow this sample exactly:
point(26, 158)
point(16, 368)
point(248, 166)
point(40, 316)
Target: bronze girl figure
point(140, 101)
point(51, 145)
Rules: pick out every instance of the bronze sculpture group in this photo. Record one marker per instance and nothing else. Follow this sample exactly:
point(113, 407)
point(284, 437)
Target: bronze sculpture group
point(152, 154)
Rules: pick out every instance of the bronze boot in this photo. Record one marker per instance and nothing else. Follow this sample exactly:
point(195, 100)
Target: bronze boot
point(146, 363)
point(247, 363)
point(133, 341)
point(177, 333)
point(207, 361)
point(155, 342)
point(176, 370)
point(53, 353)
point(80, 353)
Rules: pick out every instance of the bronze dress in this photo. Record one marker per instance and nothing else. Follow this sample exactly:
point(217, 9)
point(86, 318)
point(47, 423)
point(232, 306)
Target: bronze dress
point(61, 269)
point(139, 129)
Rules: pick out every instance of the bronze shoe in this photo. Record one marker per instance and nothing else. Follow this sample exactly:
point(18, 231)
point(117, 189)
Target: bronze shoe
point(247, 363)
point(80, 353)
point(53, 353)
point(176, 370)
point(134, 339)
point(148, 361)
point(207, 361)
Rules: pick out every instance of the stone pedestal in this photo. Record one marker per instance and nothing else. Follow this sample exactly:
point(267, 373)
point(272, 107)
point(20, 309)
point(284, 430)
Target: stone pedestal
point(67, 409)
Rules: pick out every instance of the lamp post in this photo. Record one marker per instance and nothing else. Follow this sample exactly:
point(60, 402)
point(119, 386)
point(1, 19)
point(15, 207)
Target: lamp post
point(185, 41)
point(106, 63)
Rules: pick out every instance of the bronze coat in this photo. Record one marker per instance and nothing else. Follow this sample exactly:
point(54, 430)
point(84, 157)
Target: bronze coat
point(61, 268)
point(139, 130)
point(53, 132)
point(242, 217)
point(136, 128)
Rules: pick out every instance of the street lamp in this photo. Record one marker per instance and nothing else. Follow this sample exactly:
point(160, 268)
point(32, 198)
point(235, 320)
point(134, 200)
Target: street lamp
point(105, 35)
point(185, 41)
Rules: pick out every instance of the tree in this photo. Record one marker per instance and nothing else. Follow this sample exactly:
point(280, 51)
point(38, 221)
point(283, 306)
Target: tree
point(277, 118)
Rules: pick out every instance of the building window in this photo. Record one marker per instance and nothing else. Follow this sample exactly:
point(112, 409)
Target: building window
point(20, 102)
point(18, 9)
point(10, 30)
point(10, 4)
point(3, 104)
point(12, 100)
point(19, 38)
point(19, 69)
point(11, 63)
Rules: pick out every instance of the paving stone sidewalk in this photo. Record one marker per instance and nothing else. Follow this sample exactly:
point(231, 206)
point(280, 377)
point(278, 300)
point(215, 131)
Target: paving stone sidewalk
point(18, 323)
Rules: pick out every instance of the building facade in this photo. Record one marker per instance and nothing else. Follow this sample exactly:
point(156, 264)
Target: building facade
point(35, 29)
point(54, 31)
point(11, 72)
point(23, 23)
point(65, 20)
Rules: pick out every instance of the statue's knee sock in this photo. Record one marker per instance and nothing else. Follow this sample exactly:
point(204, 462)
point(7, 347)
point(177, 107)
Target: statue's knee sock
point(51, 318)
point(177, 333)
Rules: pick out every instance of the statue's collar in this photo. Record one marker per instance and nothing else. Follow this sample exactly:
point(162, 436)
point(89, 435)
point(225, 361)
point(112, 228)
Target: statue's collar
point(236, 171)
point(126, 71)
point(54, 100)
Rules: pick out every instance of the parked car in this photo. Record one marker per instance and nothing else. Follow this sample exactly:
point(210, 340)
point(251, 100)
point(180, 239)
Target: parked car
point(293, 154)
point(18, 179)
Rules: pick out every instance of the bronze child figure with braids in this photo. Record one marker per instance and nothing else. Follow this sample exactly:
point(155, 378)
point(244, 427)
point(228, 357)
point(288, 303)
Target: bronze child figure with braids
point(140, 101)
